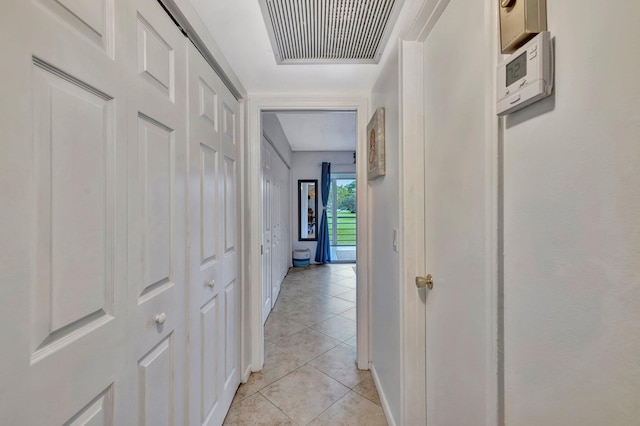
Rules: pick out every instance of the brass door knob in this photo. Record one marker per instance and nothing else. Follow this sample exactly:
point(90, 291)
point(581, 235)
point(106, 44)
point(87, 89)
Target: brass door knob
point(507, 3)
point(427, 281)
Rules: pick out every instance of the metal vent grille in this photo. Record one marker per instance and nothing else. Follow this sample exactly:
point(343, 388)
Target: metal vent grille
point(323, 31)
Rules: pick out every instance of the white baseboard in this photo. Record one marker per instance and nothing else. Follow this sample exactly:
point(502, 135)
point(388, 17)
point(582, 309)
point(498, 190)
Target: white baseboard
point(383, 398)
point(246, 374)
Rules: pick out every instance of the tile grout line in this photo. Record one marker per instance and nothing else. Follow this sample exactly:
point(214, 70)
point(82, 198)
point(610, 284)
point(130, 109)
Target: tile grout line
point(277, 408)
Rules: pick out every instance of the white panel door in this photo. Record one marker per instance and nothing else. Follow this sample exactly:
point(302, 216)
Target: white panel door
point(63, 216)
point(455, 194)
point(230, 231)
point(213, 308)
point(266, 232)
point(157, 215)
point(276, 228)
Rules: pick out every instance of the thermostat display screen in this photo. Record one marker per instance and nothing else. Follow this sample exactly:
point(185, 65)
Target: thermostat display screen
point(517, 69)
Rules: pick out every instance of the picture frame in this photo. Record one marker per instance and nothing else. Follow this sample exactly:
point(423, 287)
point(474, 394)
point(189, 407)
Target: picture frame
point(375, 145)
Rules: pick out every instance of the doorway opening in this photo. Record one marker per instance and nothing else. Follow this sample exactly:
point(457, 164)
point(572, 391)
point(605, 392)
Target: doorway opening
point(341, 218)
point(255, 345)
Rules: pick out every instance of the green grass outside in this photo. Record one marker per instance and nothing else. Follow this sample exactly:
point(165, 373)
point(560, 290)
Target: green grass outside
point(346, 228)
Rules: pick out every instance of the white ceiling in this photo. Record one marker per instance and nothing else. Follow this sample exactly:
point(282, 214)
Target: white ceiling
point(319, 130)
point(238, 28)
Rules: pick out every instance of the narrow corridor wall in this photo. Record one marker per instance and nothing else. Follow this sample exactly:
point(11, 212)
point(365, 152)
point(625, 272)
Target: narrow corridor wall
point(384, 210)
point(571, 228)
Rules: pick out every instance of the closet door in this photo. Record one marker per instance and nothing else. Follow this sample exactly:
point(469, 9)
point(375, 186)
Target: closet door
point(157, 215)
point(275, 234)
point(267, 230)
point(63, 216)
point(213, 307)
point(230, 200)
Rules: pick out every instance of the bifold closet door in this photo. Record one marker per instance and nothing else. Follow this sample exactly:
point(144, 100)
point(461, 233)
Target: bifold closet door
point(157, 183)
point(214, 295)
point(63, 219)
point(267, 231)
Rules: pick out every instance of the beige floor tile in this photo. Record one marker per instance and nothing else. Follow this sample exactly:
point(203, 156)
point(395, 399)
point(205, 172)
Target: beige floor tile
point(335, 305)
point(304, 394)
point(347, 282)
point(345, 271)
point(340, 364)
point(256, 410)
point(277, 364)
point(312, 316)
point(351, 314)
point(348, 295)
point(296, 308)
point(316, 297)
point(307, 344)
point(337, 327)
point(283, 301)
point(352, 410)
point(331, 369)
point(294, 291)
point(352, 342)
point(279, 325)
point(367, 388)
point(333, 289)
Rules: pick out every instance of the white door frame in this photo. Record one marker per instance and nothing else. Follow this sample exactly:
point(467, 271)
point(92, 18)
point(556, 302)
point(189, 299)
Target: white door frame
point(413, 379)
point(255, 105)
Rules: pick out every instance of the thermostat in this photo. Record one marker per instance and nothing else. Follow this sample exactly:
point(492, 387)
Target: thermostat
point(527, 76)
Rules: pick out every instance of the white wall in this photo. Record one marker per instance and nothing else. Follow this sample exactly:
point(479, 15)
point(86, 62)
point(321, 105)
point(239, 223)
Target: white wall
point(384, 211)
point(272, 130)
point(572, 228)
point(571, 233)
point(308, 165)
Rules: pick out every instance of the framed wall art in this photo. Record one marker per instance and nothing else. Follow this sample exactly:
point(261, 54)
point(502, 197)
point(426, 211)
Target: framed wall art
point(375, 145)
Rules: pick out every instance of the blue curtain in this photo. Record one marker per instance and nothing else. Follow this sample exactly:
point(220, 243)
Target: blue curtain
point(323, 252)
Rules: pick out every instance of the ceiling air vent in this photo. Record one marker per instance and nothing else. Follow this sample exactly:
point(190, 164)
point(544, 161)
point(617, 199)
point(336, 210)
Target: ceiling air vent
point(329, 31)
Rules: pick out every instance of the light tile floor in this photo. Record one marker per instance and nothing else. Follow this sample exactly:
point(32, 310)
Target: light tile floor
point(310, 374)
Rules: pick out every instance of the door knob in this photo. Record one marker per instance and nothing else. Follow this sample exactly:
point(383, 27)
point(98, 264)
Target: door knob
point(422, 282)
point(161, 318)
point(211, 283)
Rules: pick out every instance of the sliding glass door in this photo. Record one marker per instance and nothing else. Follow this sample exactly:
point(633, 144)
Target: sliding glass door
point(341, 217)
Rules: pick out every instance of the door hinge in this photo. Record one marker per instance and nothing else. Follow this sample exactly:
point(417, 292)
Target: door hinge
point(261, 249)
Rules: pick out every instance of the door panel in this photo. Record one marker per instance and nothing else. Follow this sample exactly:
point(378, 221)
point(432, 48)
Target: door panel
point(157, 184)
point(157, 214)
point(209, 377)
point(90, 19)
point(63, 261)
point(73, 197)
point(276, 219)
point(267, 262)
point(209, 217)
point(455, 195)
point(213, 306)
point(98, 412)
point(156, 387)
point(229, 206)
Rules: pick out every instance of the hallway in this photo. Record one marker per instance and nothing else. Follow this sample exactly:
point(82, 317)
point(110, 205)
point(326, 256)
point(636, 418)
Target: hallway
point(309, 374)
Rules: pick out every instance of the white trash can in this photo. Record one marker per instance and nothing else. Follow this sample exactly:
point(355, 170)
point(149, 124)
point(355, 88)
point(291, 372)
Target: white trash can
point(301, 257)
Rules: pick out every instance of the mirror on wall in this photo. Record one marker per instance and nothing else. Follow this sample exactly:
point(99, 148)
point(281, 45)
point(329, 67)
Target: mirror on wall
point(308, 210)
